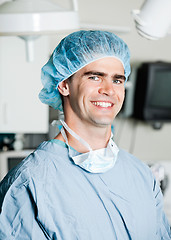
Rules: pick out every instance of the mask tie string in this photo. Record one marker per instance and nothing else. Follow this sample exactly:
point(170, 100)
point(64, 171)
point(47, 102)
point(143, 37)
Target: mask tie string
point(74, 135)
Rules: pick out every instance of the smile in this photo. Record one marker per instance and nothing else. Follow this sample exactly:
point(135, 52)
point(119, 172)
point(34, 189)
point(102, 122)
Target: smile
point(102, 104)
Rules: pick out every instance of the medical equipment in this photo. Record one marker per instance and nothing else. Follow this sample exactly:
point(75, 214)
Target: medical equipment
point(29, 19)
point(152, 101)
point(154, 19)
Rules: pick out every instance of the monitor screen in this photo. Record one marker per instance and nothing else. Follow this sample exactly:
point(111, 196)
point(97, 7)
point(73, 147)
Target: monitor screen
point(152, 101)
point(161, 90)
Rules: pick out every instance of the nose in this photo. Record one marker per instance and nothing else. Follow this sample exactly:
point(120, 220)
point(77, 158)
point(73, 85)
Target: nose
point(107, 88)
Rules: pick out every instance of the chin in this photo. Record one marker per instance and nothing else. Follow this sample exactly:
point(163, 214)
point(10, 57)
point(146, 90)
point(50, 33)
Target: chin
point(103, 122)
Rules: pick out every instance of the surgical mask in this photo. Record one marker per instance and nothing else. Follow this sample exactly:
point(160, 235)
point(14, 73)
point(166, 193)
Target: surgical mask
point(94, 161)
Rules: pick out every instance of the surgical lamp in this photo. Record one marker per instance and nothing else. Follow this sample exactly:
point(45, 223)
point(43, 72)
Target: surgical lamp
point(154, 19)
point(28, 19)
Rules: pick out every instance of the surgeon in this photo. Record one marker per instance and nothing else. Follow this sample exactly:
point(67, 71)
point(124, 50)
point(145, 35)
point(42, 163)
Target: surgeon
point(80, 185)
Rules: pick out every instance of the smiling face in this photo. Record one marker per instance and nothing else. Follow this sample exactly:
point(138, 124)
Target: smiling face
point(95, 93)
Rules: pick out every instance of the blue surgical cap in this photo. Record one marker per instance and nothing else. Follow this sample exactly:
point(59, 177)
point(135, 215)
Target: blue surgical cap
point(73, 53)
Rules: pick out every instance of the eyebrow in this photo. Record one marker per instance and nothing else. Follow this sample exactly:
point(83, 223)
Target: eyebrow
point(103, 74)
point(94, 73)
point(118, 76)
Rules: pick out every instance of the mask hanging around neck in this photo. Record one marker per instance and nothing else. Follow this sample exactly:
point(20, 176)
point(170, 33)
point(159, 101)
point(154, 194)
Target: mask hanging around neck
point(94, 161)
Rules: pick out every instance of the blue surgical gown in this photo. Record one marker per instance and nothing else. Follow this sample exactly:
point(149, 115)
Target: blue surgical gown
point(47, 196)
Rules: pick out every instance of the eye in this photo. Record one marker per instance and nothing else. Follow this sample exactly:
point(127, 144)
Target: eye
point(118, 81)
point(95, 78)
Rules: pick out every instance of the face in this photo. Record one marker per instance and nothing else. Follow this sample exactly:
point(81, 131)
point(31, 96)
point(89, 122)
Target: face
point(95, 93)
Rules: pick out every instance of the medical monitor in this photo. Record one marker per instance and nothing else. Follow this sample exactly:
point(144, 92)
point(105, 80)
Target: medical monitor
point(152, 98)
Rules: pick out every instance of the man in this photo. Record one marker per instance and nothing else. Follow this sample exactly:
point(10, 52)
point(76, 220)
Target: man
point(80, 185)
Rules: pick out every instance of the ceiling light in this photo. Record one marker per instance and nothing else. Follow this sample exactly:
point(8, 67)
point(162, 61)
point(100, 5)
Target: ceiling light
point(31, 18)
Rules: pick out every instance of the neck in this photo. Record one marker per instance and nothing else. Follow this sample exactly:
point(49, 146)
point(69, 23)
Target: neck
point(96, 137)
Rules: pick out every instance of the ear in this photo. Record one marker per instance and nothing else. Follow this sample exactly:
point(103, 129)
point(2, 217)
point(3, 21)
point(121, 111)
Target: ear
point(63, 88)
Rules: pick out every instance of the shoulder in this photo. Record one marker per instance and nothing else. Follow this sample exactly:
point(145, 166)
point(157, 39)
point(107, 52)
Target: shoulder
point(131, 160)
point(135, 166)
point(42, 158)
point(34, 168)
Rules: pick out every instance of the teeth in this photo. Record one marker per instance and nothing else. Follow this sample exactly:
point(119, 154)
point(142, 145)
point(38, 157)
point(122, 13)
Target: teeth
point(102, 104)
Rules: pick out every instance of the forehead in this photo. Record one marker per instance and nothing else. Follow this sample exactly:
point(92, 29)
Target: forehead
point(108, 64)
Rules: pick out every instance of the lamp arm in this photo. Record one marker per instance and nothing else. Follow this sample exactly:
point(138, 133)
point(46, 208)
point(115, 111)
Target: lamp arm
point(75, 5)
